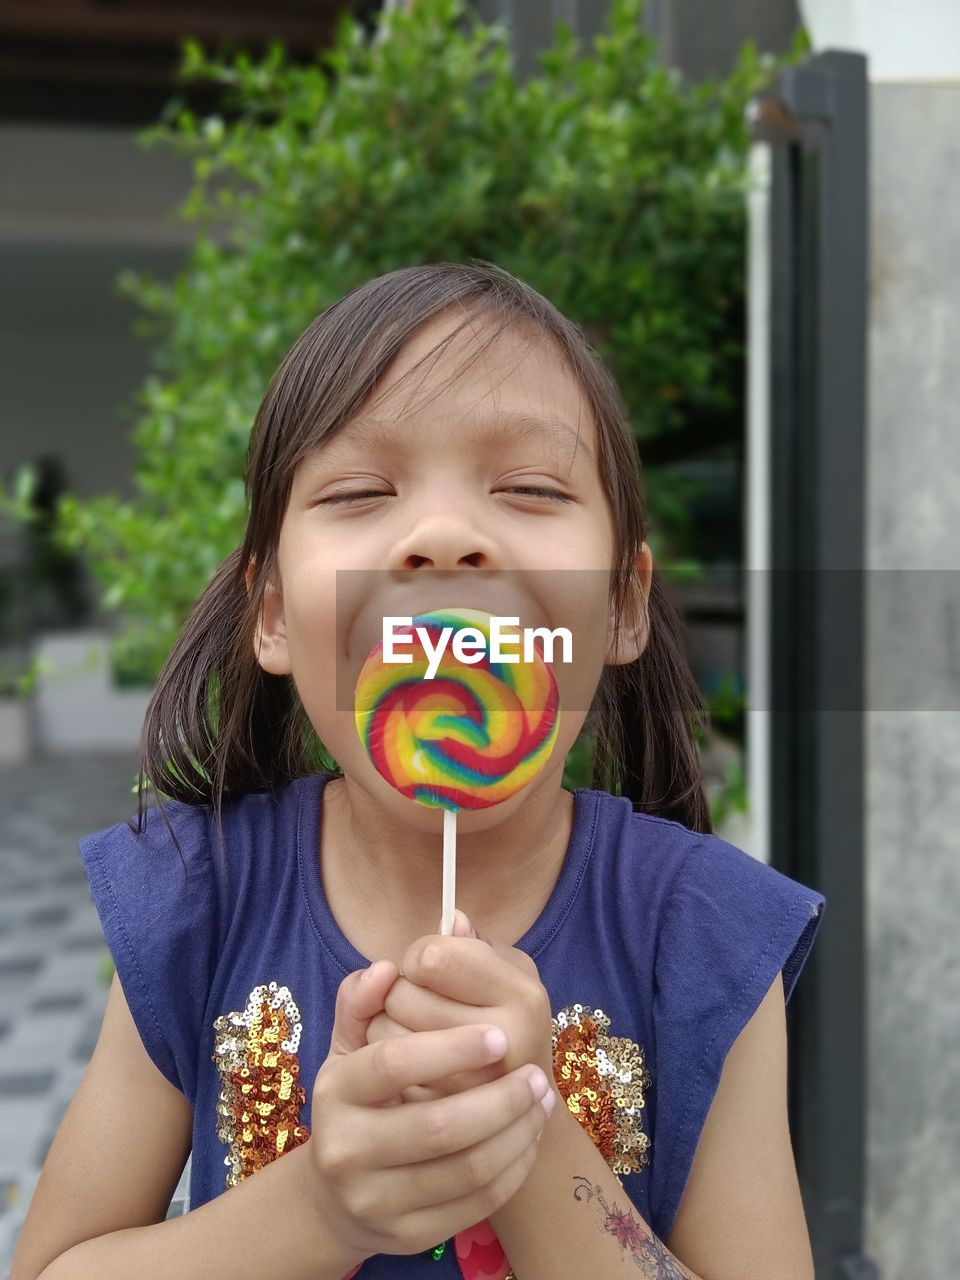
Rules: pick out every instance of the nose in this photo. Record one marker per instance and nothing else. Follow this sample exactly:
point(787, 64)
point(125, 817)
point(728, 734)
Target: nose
point(444, 540)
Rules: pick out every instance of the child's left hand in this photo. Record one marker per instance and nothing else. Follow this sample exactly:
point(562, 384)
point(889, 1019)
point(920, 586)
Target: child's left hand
point(462, 980)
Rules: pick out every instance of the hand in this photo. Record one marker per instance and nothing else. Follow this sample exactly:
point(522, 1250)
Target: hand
point(393, 1179)
point(457, 981)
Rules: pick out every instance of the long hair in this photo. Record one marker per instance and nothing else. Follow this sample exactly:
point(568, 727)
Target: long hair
point(218, 725)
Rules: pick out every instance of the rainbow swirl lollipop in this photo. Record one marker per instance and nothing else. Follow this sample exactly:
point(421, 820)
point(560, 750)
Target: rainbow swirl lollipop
point(470, 737)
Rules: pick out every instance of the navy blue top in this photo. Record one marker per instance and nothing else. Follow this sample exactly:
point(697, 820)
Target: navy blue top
point(674, 936)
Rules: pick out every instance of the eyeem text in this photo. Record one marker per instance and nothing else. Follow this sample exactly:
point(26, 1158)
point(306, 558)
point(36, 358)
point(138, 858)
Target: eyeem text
point(469, 644)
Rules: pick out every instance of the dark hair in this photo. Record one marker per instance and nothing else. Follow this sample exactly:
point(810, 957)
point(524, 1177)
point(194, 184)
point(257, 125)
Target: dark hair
point(217, 724)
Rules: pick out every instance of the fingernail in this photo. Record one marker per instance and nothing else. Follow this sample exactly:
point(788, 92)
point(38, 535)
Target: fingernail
point(495, 1041)
point(368, 972)
point(549, 1101)
point(464, 928)
point(538, 1083)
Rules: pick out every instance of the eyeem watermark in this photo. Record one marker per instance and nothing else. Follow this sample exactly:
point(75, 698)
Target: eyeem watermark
point(469, 644)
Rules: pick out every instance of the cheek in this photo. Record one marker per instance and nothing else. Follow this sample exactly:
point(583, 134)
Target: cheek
point(309, 606)
point(312, 629)
point(578, 601)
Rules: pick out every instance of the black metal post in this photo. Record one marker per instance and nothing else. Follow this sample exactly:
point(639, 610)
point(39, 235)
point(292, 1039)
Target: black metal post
point(816, 122)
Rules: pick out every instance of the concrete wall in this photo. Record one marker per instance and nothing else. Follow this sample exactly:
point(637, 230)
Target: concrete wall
point(913, 726)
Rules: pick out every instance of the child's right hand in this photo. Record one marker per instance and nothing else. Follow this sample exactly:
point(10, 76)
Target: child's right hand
point(395, 1177)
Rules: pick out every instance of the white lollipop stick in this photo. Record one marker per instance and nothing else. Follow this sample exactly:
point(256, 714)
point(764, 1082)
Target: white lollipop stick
point(449, 871)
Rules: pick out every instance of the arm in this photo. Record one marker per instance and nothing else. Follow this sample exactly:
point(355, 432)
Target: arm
point(99, 1204)
point(267, 1225)
point(739, 1218)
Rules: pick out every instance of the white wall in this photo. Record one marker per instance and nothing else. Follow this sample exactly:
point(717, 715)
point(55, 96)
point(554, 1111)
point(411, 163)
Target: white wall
point(912, 40)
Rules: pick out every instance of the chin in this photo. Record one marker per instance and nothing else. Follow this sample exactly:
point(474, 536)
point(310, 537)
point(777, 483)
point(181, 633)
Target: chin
point(421, 817)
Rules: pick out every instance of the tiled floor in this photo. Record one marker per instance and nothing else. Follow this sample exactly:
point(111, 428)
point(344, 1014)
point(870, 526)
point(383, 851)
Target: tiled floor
point(53, 983)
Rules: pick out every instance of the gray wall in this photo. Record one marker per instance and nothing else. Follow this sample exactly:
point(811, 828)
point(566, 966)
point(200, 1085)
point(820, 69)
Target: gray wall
point(699, 37)
point(703, 39)
point(79, 205)
point(913, 727)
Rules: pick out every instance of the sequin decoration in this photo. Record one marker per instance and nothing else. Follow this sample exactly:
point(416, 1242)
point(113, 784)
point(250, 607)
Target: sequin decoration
point(260, 1099)
point(602, 1079)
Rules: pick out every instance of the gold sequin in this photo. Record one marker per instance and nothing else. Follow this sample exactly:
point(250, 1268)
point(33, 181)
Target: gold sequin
point(602, 1079)
point(259, 1104)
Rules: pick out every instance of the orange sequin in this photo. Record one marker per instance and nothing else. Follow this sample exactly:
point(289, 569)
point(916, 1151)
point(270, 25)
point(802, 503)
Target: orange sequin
point(602, 1079)
point(260, 1099)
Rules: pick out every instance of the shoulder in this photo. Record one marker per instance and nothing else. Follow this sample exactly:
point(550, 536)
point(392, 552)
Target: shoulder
point(153, 887)
point(173, 847)
point(152, 858)
point(683, 877)
point(167, 889)
point(708, 901)
point(746, 911)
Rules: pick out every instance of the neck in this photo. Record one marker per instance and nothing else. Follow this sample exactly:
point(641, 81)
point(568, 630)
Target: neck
point(383, 879)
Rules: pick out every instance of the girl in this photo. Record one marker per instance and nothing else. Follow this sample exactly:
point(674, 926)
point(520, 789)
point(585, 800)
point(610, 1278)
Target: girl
point(434, 431)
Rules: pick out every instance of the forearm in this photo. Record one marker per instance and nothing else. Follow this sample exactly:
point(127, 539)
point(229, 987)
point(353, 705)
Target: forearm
point(266, 1225)
point(572, 1218)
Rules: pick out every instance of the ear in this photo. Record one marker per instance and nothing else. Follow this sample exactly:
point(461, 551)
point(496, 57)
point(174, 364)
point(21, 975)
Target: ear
point(628, 635)
point(270, 633)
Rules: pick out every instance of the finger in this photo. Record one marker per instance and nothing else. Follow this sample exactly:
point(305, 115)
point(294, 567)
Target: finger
point(358, 1000)
point(383, 1027)
point(431, 1131)
point(464, 969)
point(420, 1009)
point(469, 1170)
point(383, 1070)
point(457, 1082)
point(423, 1093)
point(439, 1222)
point(462, 927)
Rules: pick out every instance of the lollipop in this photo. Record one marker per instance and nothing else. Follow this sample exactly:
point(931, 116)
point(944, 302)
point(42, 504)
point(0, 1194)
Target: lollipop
point(470, 737)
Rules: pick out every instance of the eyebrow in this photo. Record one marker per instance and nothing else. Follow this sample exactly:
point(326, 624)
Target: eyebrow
point(507, 427)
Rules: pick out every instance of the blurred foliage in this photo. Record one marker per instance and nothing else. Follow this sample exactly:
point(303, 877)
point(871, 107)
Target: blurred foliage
point(605, 181)
point(578, 767)
point(731, 797)
point(106, 969)
point(727, 705)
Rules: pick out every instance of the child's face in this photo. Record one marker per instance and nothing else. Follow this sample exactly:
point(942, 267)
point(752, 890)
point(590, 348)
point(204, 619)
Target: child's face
point(435, 494)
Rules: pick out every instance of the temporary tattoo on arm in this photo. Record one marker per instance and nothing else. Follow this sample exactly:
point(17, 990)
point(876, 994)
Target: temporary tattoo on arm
point(652, 1257)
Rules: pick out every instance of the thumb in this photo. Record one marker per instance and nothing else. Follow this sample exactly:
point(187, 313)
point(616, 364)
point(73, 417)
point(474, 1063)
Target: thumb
point(462, 928)
point(360, 997)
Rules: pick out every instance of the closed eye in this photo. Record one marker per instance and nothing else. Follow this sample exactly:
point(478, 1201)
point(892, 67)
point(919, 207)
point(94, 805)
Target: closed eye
point(539, 491)
point(351, 497)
